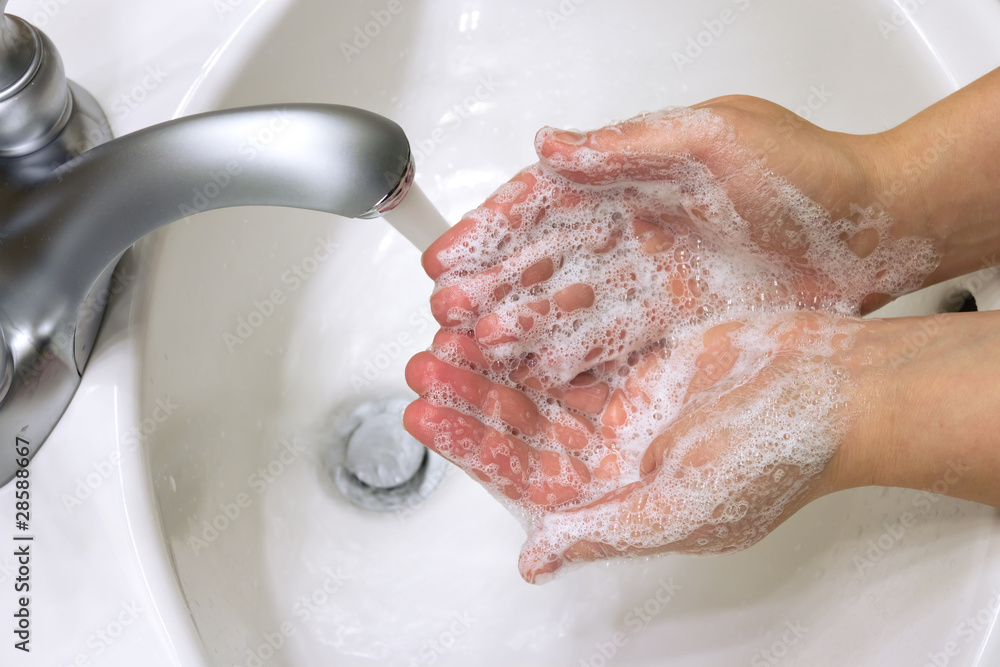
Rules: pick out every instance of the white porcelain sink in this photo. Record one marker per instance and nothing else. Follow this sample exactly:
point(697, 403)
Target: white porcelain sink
point(294, 570)
point(252, 326)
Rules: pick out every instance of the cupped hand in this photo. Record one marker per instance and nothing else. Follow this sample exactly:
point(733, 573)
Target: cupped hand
point(646, 337)
point(665, 219)
point(704, 448)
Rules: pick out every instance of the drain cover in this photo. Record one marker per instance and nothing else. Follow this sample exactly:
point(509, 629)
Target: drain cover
point(376, 464)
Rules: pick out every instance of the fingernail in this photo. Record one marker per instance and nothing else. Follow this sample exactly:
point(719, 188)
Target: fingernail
point(570, 137)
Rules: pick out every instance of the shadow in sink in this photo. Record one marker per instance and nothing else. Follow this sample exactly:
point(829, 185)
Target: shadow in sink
point(262, 321)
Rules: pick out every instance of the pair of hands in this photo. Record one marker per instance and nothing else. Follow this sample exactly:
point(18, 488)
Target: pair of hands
point(619, 389)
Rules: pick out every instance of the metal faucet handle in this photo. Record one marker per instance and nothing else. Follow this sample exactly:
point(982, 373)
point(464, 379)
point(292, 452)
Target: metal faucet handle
point(72, 201)
point(35, 103)
point(16, 49)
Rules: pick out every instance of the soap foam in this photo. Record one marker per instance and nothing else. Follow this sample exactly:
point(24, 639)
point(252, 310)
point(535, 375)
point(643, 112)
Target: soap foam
point(669, 260)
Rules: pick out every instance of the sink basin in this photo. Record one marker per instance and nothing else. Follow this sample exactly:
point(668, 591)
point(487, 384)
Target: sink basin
point(258, 326)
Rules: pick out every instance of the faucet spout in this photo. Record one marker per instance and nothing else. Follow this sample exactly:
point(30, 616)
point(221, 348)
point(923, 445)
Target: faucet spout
point(61, 230)
point(68, 229)
point(71, 202)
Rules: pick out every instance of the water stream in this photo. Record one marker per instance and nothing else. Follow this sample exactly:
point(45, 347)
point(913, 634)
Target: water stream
point(416, 218)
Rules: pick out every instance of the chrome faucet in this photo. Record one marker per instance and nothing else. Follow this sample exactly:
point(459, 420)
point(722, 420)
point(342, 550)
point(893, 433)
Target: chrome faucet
point(72, 200)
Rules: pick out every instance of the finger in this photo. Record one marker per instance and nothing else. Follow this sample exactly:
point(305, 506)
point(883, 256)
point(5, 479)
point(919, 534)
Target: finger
point(459, 348)
point(719, 356)
point(572, 431)
point(499, 213)
point(446, 431)
point(516, 207)
point(460, 304)
point(557, 323)
point(585, 393)
point(575, 297)
point(515, 322)
point(588, 399)
point(616, 414)
point(521, 473)
point(426, 374)
point(649, 147)
point(522, 271)
point(606, 528)
point(657, 451)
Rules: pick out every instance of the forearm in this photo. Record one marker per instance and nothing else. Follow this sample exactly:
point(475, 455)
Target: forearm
point(939, 175)
point(933, 421)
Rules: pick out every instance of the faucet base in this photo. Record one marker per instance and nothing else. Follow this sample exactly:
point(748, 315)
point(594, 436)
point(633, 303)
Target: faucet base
point(71, 206)
point(43, 361)
point(89, 127)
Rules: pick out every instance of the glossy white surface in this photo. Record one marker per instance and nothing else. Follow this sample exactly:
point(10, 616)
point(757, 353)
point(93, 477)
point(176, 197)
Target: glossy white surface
point(103, 591)
point(385, 587)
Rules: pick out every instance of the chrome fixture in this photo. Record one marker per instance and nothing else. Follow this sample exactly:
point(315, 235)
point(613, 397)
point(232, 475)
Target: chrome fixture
point(374, 463)
point(72, 200)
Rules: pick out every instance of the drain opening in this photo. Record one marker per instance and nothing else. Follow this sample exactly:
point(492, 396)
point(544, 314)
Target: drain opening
point(376, 464)
point(961, 301)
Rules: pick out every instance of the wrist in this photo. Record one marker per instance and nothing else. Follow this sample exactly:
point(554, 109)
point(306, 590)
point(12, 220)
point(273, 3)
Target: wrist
point(872, 390)
point(927, 394)
point(937, 175)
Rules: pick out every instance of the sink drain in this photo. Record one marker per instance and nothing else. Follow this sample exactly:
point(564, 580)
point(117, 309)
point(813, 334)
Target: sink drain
point(376, 464)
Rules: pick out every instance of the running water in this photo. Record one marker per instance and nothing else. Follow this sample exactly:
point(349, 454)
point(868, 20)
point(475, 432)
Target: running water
point(416, 218)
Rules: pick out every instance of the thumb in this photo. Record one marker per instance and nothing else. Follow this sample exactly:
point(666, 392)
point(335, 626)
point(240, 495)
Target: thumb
point(562, 540)
point(542, 555)
point(653, 146)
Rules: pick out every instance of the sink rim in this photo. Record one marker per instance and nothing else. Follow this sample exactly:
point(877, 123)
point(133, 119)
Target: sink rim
point(957, 66)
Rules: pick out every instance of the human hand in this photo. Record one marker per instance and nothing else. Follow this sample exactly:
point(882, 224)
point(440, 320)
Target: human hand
point(704, 449)
point(618, 329)
point(665, 208)
point(751, 175)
